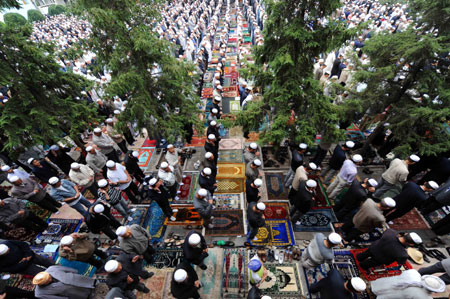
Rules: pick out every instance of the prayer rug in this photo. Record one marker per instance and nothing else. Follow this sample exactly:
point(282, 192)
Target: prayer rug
point(435, 216)
point(275, 233)
point(231, 170)
point(230, 156)
point(40, 249)
point(13, 280)
point(211, 278)
point(167, 257)
point(58, 228)
point(321, 198)
point(276, 210)
point(157, 284)
point(190, 181)
point(138, 215)
point(145, 155)
point(228, 201)
point(234, 282)
point(154, 222)
point(411, 220)
point(197, 141)
point(230, 144)
point(20, 234)
point(275, 186)
point(149, 143)
point(393, 269)
point(227, 223)
point(82, 268)
point(283, 281)
point(26, 284)
point(186, 215)
point(275, 160)
point(231, 185)
point(365, 239)
point(38, 211)
point(318, 220)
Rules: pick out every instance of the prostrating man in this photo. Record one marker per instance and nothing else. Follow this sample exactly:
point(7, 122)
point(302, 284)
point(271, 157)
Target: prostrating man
point(251, 153)
point(113, 196)
point(336, 161)
point(135, 239)
point(67, 192)
point(440, 267)
point(195, 249)
point(123, 275)
point(105, 144)
point(320, 250)
point(99, 219)
point(30, 190)
point(18, 257)
point(301, 174)
point(252, 190)
point(345, 177)
point(96, 160)
point(62, 282)
point(119, 176)
point(132, 166)
point(42, 169)
point(334, 286)
point(83, 176)
point(14, 212)
point(59, 157)
point(185, 283)
point(438, 198)
point(203, 204)
point(296, 162)
point(256, 219)
point(77, 247)
point(207, 181)
point(166, 173)
point(158, 193)
point(303, 200)
point(252, 170)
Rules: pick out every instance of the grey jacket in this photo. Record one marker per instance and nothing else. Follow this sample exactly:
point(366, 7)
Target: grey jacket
point(104, 142)
point(25, 191)
point(8, 213)
point(203, 207)
point(136, 244)
point(97, 161)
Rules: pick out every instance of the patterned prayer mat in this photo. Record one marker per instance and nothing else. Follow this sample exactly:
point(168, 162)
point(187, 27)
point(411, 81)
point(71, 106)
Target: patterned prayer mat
point(197, 141)
point(25, 284)
point(227, 223)
point(393, 269)
point(283, 281)
point(82, 268)
point(275, 160)
point(230, 144)
point(38, 211)
point(275, 186)
point(228, 201)
point(234, 282)
point(187, 190)
point(276, 210)
point(321, 198)
point(159, 284)
point(435, 216)
point(40, 249)
point(145, 155)
point(318, 220)
point(138, 215)
point(20, 234)
point(154, 222)
point(149, 143)
point(411, 220)
point(231, 170)
point(58, 228)
point(167, 257)
point(230, 185)
point(186, 215)
point(365, 239)
point(211, 278)
point(231, 156)
point(275, 233)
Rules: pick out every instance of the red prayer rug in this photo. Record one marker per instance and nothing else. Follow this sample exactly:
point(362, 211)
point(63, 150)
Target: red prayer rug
point(411, 220)
point(276, 210)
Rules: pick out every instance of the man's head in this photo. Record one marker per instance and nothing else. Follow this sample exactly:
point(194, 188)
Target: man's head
point(155, 183)
point(370, 185)
point(253, 147)
point(348, 145)
point(302, 148)
point(213, 123)
point(412, 159)
point(42, 279)
point(109, 122)
point(98, 208)
point(4, 249)
point(209, 156)
point(54, 148)
point(387, 203)
point(180, 276)
point(355, 285)
point(257, 183)
point(206, 171)
point(194, 240)
point(98, 131)
point(164, 166)
point(66, 241)
point(34, 162)
point(113, 266)
point(7, 169)
point(171, 148)
point(15, 180)
point(311, 167)
point(214, 111)
point(135, 154)
point(357, 159)
point(259, 207)
point(91, 150)
point(55, 182)
point(311, 185)
point(103, 184)
point(202, 193)
point(430, 186)
point(410, 239)
point(256, 163)
point(75, 166)
point(124, 232)
point(333, 240)
point(111, 165)
point(254, 265)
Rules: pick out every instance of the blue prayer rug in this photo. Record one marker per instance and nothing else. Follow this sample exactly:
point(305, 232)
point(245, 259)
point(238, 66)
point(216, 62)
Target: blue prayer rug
point(275, 233)
point(318, 220)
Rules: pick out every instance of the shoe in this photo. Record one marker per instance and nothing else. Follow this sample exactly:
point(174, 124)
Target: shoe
point(203, 267)
point(133, 210)
point(174, 210)
point(177, 198)
point(181, 184)
point(146, 290)
point(178, 192)
point(148, 275)
point(210, 226)
point(212, 217)
point(184, 176)
point(298, 223)
point(57, 212)
point(255, 239)
point(173, 218)
point(391, 222)
point(130, 218)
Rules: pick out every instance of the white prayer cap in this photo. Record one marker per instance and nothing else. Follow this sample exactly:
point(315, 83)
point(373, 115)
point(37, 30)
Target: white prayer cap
point(109, 120)
point(54, 147)
point(372, 182)
point(121, 230)
point(211, 137)
point(194, 239)
point(53, 180)
point(311, 184)
point(433, 283)
point(214, 110)
point(153, 181)
point(14, 178)
point(261, 206)
point(180, 275)
point(358, 284)
point(312, 165)
point(97, 130)
point(415, 238)
point(207, 171)
point(110, 164)
point(218, 87)
point(357, 158)
point(66, 240)
point(99, 208)
point(111, 266)
point(3, 249)
point(116, 112)
point(388, 202)
point(350, 144)
point(102, 183)
point(208, 155)
point(253, 145)
point(30, 160)
point(335, 238)
point(433, 185)
point(89, 148)
point(135, 154)
point(257, 162)
point(5, 168)
point(170, 146)
point(202, 192)
point(414, 158)
point(257, 182)
point(213, 123)
point(75, 165)
point(266, 297)
point(164, 165)
point(321, 60)
point(303, 146)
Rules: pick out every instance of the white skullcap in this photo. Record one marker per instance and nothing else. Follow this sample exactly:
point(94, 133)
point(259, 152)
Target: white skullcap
point(266, 297)
point(89, 148)
point(320, 60)
point(357, 158)
point(180, 275)
point(97, 130)
point(53, 180)
point(116, 112)
point(194, 239)
point(102, 183)
point(253, 145)
point(372, 182)
point(257, 162)
point(261, 206)
point(30, 160)
point(207, 171)
point(213, 123)
point(135, 154)
point(335, 238)
point(311, 184)
point(388, 202)
point(3, 249)
point(414, 158)
point(99, 208)
point(153, 181)
point(110, 164)
point(214, 111)
point(202, 192)
point(208, 155)
point(170, 146)
point(111, 266)
point(257, 182)
point(433, 283)
point(5, 168)
point(14, 178)
point(66, 240)
point(415, 237)
point(211, 136)
point(433, 185)
point(75, 165)
point(121, 230)
point(358, 284)
point(303, 146)
point(218, 87)
point(350, 144)
point(54, 147)
point(109, 120)
point(312, 165)
point(164, 165)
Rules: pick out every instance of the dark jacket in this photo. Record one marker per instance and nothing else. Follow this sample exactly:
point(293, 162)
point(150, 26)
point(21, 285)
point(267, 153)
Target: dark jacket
point(207, 182)
point(131, 164)
point(159, 197)
point(351, 200)
point(411, 196)
point(303, 199)
point(119, 280)
point(10, 263)
point(211, 148)
point(254, 293)
point(97, 222)
point(213, 130)
point(297, 160)
point(251, 193)
point(194, 255)
point(338, 158)
point(61, 159)
point(45, 172)
point(331, 287)
point(185, 289)
point(254, 218)
point(388, 249)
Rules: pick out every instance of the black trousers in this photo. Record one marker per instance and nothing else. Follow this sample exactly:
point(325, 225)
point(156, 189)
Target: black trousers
point(14, 293)
point(94, 189)
point(107, 230)
point(113, 156)
point(95, 262)
point(320, 155)
point(130, 139)
point(33, 222)
point(431, 205)
point(165, 207)
point(132, 191)
point(351, 232)
point(442, 227)
point(37, 261)
point(148, 254)
point(173, 190)
point(399, 212)
point(123, 146)
point(49, 203)
point(367, 260)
